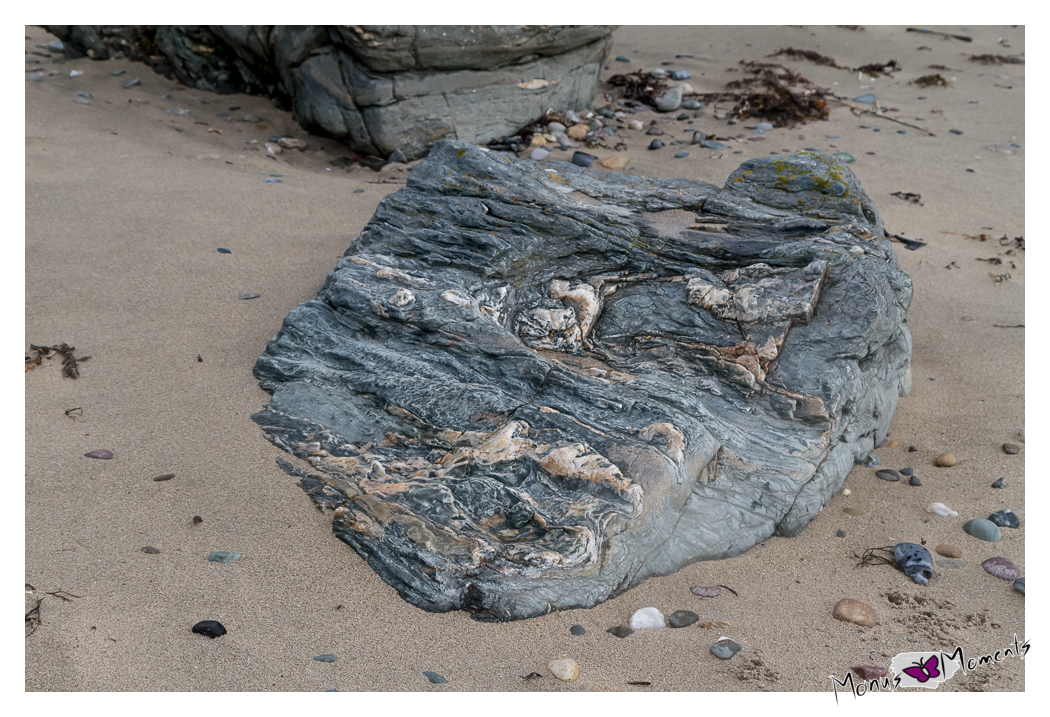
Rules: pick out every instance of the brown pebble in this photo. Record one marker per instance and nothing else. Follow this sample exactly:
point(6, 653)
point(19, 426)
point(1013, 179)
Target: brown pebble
point(1011, 448)
point(166, 476)
point(850, 610)
point(1001, 568)
point(616, 161)
point(892, 444)
point(869, 672)
point(948, 551)
point(946, 460)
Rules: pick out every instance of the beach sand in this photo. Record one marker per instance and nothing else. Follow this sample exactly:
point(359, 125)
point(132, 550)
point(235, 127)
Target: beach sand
point(126, 206)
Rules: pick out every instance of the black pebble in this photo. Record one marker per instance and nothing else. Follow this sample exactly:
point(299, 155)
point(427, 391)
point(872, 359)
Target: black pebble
point(1001, 483)
point(656, 144)
point(151, 550)
point(915, 480)
point(209, 628)
point(840, 533)
point(912, 449)
point(582, 159)
point(577, 630)
point(620, 631)
point(955, 131)
point(888, 475)
point(223, 251)
point(907, 471)
point(197, 519)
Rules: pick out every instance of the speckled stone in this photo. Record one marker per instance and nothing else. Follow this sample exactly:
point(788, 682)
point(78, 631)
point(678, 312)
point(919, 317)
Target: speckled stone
point(1005, 518)
point(1002, 568)
point(948, 551)
point(577, 630)
point(854, 611)
point(682, 618)
point(725, 649)
point(983, 530)
point(565, 669)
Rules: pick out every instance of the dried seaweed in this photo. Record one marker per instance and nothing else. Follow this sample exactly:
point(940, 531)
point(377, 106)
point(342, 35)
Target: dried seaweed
point(872, 556)
point(997, 59)
point(879, 68)
point(923, 30)
point(779, 100)
point(639, 86)
point(909, 197)
point(70, 363)
point(807, 55)
point(931, 81)
point(911, 244)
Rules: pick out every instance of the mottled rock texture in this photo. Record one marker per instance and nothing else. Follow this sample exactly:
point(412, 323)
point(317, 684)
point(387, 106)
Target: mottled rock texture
point(379, 88)
point(529, 387)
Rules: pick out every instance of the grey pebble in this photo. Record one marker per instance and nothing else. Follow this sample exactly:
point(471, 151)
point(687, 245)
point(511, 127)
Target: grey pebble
point(902, 131)
point(252, 118)
point(621, 58)
point(887, 474)
point(435, 677)
point(907, 471)
point(222, 556)
point(763, 127)
point(712, 144)
point(951, 563)
point(56, 46)
point(872, 461)
point(1005, 518)
point(180, 111)
point(868, 99)
point(1011, 448)
point(681, 75)
point(620, 631)
point(682, 618)
point(681, 155)
point(36, 77)
point(840, 533)
point(698, 137)
point(983, 530)
point(844, 157)
point(914, 480)
point(725, 649)
point(577, 630)
point(326, 658)
point(1001, 483)
point(359, 191)
point(955, 131)
point(245, 297)
point(656, 144)
point(117, 73)
point(223, 251)
point(272, 180)
point(151, 550)
point(398, 156)
point(582, 159)
point(691, 104)
point(1019, 585)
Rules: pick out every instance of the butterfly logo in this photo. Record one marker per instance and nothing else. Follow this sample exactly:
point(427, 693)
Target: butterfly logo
point(923, 672)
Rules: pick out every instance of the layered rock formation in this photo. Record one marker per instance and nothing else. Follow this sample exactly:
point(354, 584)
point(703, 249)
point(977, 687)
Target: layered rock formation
point(529, 387)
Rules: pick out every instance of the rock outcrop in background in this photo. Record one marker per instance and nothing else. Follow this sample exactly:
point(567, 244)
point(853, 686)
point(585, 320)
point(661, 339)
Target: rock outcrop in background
point(529, 387)
point(381, 89)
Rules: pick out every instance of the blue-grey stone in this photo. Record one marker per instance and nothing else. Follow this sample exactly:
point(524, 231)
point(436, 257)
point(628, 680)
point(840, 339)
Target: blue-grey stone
point(621, 631)
point(907, 471)
point(681, 75)
point(915, 561)
point(914, 480)
point(670, 100)
point(398, 156)
point(868, 99)
point(872, 461)
point(117, 73)
point(888, 474)
point(725, 649)
point(272, 180)
point(248, 297)
point(56, 46)
point(656, 144)
point(36, 76)
point(222, 250)
point(1001, 483)
point(577, 630)
point(222, 556)
point(1019, 585)
point(712, 144)
point(682, 618)
point(983, 530)
point(326, 658)
point(698, 137)
point(582, 159)
point(763, 127)
point(691, 104)
point(955, 131)
point(181, 111)
point(1005, 518)
point(681, 155)
point(621, 58)
point(435, 677)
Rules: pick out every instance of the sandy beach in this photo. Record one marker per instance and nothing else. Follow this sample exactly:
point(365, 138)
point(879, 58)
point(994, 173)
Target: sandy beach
point(125, 208)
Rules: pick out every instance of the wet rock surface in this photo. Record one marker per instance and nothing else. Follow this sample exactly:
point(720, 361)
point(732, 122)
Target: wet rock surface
point(529, 388)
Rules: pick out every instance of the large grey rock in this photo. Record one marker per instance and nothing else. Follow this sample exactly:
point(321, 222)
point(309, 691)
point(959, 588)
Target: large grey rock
point(530, 387)
point(387, 87)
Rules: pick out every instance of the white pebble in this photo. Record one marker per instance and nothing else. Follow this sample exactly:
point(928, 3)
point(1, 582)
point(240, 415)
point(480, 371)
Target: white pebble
point(635, 124)
point(647, 617)
point(941, 509)
point(565, 669)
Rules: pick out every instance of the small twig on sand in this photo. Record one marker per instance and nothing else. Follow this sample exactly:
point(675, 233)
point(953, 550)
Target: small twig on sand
point(865, 111)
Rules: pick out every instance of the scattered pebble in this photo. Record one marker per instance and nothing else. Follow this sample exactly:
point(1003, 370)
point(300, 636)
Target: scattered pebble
point(868, 99)
point(888, 474)
point(582, 159)
point(946, 460)
point(955, 131)
point(251, 119)
point(1001, 483)
point(681, 155)
point(854, 611)
point(435, 678)
point(1011, 448)
point(149, 549)
point(539, 153)
point(682, 618)
point(647, 617)
point(209, 628)
point(912, 449)
point(712, 144)
point(670, 101)
point(840, 533)
point(948, 551)
point(691, 104)
point(941, 509)
point(869, 672)
point(656, 144)
point(197, 520)
point(131, 83)
point(621, 58)
point(36, 76)
point(951, 563)
point(247, 297)
point(565, 669)
point(326, 658)
point(396, 156)
point(907, 471)
point(223, 251)
point(615, 161)
point(166, 476)
point(272, 180)
point(1005, 518)
point(636, 125)
point(76, 73)
point(177, 111)
point(725, 649)
point(56, 46)
point(914, 480)
point(221, 556)
point(117, 73)
point(1001, 568)
point(681, 75)
point(915, 561)
point(763, 127)
point(983, 530)
point(577, 630)
point(706, 592)
point(620, 631)
point(1019, 585)
point(100, 453)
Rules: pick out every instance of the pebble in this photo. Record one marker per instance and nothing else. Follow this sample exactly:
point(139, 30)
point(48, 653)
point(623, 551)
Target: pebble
point(621, 58)
point(578, 131)
point(177, 111)
point(539, 153)
point(221, 250)
point(888, 474)
point(577, 630)
point(197, 520)
point(941, 509)
point(725, 649)
point(565, 669)
point(221, 556)
point(681, 155)
point(681, 75)
point(1019, 585)
point(682, 618)
point(149, 549)
point(869, 672)
point(658, 73)
point(620, 631)
point(647, 617)
point(556, 127)
point(948, 551)
point(117, 73)
point(272, 180)
point(656, 144)
point(1005, 518)
point(706, 592)
point(246, 297)
point(854, 611)
point(56, 46)
point(951, 563)
point(840, 533)
point(250, 118)
point(1011, 448)
point(1001, 483)
point(907, 471)
point(326, 658)
point(131, 83)
point(691, 104)
point(955, 131)
point(36, 76)
point(434, 677)
point(698, 137)
point(912, 449)
point(872, 461)
point(946, 460)
point(636, 125)
point(166, 476)
point(209, 628)
point(100, 453)
point(1001, 568)
point(615, 161)
point(582, 159)
point(855, 512)
point(712, 144)
point(914, 480)
point(654, 131)
point(915, 561)
point(78, 73)
point(763, 127)
point(670, 101)
point(844, 157)
point(868, 99)
point(293, 143)
point(983, 530)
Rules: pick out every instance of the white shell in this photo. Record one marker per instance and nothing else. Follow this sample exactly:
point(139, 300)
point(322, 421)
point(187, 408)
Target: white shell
point(647, 617)
point(941, 509)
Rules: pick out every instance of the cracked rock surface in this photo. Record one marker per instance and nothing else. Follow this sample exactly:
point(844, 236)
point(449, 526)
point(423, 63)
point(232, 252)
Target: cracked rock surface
point(529, 387)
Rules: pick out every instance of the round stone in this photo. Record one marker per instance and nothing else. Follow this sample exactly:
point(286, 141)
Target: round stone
point(725, 649)
point(647, 617)
point(682, 618)
point(1011, 448)
point(946, 460)
point(948, 551)
point(983, 530)
point(656, 144)
point(888, 474)
point(1005, 518)
point(1019, 585)
point(577, 630)
point(854, 611)
point(1001, 568)
point(914, 480)
point(620, 631)
point(565, 669)
point(210, 628)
